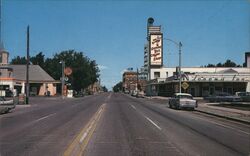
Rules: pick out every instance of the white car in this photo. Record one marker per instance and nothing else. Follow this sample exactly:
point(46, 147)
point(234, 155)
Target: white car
point(182, 100)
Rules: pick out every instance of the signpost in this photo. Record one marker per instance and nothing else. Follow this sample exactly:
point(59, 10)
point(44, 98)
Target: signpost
point(185, 85)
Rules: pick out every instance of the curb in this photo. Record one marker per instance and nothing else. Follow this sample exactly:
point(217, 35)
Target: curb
point(225, 117)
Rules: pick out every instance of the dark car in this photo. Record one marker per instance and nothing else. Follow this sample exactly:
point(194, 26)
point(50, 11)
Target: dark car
point(78, 94)
point(245, 96)
point(223, 97)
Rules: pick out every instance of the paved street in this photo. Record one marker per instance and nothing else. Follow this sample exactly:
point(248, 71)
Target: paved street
point(46, 127)
point(127, 126)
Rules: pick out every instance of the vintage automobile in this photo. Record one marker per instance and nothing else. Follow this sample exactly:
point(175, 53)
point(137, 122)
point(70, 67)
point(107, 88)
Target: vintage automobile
point(223, 97)
point(140, 94)
point(182, 100)
point(6, 105)
point(245, 96)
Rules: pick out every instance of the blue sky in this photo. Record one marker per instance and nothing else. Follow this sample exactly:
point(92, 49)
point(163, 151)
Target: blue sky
point(114, 32)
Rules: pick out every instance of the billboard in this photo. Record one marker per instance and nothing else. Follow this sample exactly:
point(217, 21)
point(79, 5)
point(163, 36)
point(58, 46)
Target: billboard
point(155, 49)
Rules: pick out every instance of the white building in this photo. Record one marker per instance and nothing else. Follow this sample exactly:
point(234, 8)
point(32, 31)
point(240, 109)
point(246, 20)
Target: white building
point(203, 81)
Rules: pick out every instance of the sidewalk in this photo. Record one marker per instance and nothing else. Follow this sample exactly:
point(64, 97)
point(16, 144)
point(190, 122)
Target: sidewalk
point(228, 113)
point(210, 108)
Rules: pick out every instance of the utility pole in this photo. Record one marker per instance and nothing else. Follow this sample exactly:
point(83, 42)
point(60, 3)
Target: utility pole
point(137, 79)
point(180, 45)
point(63, 77)
point(1, 39)
point(27, 65)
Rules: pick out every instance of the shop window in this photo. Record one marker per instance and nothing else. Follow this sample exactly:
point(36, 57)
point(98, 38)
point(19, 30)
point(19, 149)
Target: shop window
point(156, 75)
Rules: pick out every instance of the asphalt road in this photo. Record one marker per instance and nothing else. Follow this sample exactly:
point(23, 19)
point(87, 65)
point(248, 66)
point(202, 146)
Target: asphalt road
point(132, 126)
point(127, 126)
point(46, 127)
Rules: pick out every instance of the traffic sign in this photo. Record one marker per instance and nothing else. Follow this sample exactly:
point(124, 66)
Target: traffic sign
point(67, 71)
point(185, 85)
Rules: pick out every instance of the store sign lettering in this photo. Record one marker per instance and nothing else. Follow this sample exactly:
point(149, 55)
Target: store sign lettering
point(156, 49)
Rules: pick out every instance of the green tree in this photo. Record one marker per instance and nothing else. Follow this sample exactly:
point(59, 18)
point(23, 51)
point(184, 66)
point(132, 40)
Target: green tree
point(219, 65)
point(117, 87)
point(104, 89)
point(229, 63)
point(18, 60)
point(85, 71)
point(39, 59)
point(210, 65)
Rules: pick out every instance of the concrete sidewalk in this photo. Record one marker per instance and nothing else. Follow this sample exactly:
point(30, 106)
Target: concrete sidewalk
point(228, 113)
point(210, 108)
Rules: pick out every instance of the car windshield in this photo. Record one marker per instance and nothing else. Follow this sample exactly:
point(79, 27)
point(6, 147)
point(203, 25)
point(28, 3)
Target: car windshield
point(185, 97)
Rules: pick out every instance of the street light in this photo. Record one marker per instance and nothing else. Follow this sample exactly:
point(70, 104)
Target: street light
point(179, 45)
point(63, 77)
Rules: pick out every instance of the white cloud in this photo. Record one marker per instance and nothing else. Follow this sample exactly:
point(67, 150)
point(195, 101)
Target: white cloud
point(102, 67)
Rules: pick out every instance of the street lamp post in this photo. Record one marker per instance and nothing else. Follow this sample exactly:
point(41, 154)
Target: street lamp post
point(179, 45)
point(63, 77)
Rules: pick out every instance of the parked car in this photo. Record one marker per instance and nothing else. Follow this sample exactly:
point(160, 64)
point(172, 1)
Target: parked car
point(6, 105)
point(245, 96)
point(78, 94)
point(140, 94)
point(134, 93)
point(182, 100)
point(126, 91)
point(223, 97)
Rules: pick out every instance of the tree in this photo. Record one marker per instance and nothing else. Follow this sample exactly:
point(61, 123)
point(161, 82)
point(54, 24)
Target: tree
point(85, 71)
point(104, 89)
point(219, 65)
point(210, 65)
point(117, 87)
point(39, 59)
point(18, 60)
point(228, 63)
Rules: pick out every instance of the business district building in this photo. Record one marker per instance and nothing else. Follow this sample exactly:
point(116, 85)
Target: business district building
point(198, 81)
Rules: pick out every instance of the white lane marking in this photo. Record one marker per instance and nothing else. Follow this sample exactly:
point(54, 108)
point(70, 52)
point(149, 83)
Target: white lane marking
point(153, 123)
point(42, 118)
point(133, 106)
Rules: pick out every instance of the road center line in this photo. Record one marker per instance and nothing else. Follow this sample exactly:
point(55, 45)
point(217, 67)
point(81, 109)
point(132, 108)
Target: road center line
point(133, 106)
point(153, 123)
point(42, 118)
point(79, 144)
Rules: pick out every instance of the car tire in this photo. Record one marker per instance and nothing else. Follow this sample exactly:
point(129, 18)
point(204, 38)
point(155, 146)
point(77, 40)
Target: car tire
point(170, 106)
